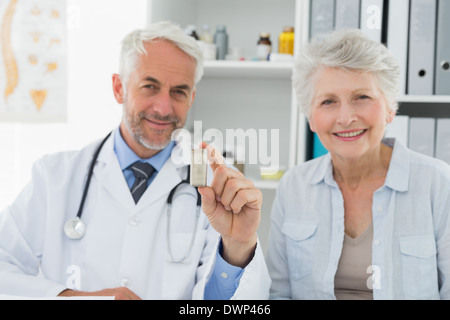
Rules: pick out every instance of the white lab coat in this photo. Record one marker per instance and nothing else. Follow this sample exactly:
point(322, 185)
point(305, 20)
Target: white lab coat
point(125, 244)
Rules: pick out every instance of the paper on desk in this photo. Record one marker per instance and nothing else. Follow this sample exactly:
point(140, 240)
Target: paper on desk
point(8, 297)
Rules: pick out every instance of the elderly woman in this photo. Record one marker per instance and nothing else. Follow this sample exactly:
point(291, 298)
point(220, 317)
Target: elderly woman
point(370, 220)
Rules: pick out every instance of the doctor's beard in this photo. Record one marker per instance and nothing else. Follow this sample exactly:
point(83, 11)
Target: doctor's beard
point(135, 128)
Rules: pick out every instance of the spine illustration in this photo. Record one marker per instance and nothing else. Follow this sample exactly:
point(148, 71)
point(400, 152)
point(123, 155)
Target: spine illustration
point(12, 75)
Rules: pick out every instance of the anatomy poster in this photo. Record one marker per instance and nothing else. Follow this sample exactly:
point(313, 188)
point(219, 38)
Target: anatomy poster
point(33, 60)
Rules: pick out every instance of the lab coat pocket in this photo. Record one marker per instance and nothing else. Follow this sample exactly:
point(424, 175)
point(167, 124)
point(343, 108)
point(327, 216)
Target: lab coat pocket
point(419, 267)
point(180, 276)
point(300, 240)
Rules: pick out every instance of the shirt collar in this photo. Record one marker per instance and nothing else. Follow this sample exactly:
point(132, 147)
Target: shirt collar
point(127, 157)
point(398, 173)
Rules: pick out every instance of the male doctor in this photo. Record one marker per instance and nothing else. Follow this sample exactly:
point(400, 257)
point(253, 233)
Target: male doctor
point(127, 250)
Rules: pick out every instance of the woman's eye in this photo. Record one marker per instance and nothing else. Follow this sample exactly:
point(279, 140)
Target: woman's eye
point(327, 102)
point(363, 97)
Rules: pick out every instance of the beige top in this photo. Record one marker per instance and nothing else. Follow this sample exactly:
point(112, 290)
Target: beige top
point(350, 282)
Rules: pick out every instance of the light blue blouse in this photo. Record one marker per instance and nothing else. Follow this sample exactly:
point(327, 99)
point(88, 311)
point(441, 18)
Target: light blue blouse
point(411, 230)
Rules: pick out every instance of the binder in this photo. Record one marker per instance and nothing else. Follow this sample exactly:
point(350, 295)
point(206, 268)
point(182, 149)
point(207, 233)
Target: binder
point(347, 14)
point(443, 139)
point(397, 37)
point(442, 85)
point(321, 17)
point(398, 129)
point(421, 135)
point(421, 47)
point(372, 18)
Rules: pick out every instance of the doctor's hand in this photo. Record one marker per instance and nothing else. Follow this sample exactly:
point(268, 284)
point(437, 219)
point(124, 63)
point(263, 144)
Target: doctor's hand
point(233, 207)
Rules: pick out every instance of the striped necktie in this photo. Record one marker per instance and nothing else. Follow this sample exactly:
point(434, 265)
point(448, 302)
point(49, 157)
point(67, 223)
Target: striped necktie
point(142, 171)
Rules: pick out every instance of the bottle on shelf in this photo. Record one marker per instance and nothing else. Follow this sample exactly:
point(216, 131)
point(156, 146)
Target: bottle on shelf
point(221, 41)
point(206, 43)
point(286, 41)
point(235, 54)
point(205, 34)
point(264, 46)
point(191, 30)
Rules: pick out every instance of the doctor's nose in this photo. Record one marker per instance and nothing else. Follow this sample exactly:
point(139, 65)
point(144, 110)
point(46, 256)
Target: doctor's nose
point(163, 104)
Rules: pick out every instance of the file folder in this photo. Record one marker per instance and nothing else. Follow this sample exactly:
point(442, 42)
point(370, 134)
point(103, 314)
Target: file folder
point(443, 139)
point(421, 135)
point(442, 85)
point(398, 129)
point(321, 17)
point(422, 47)
point(347, 14)
point(318, 148)
point(397, 37)
point(372, 18)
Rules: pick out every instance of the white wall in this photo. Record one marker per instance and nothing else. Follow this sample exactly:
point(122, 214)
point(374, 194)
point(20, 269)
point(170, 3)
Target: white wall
point(95, 31)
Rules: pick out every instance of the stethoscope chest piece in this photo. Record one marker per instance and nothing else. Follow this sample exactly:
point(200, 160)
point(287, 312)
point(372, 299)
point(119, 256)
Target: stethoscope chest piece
point(75, 229)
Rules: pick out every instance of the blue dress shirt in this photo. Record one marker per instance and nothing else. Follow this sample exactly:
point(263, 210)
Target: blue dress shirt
point(225, 277)
point(127, 157)
point(411, 230)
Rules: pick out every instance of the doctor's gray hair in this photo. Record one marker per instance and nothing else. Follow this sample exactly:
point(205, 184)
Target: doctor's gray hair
point(349, 50)
point(133, 46)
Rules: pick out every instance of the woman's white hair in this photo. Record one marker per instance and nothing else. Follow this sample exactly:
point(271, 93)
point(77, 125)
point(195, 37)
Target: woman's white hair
point(350, 50)
point(133, 46)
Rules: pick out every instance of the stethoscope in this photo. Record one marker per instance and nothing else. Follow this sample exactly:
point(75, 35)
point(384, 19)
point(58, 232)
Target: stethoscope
point(75, 228)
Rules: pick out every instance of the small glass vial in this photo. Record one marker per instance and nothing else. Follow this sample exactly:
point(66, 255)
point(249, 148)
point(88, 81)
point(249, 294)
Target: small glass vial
point(199, 163)
point(264, 46)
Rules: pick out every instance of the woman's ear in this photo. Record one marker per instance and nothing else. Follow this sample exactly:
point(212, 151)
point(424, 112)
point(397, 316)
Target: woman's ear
point(390, 116)
point(312, 125)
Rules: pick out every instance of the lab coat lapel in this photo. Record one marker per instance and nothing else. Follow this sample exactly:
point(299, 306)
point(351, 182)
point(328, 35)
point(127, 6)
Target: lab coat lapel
point(167, 178)
point(111, 177)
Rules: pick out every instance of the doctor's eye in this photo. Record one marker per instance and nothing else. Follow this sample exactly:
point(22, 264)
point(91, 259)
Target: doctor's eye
point(179, 94)
point(151, 88)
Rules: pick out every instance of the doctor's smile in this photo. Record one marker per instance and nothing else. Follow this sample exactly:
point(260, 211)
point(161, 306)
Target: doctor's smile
point(160, 125)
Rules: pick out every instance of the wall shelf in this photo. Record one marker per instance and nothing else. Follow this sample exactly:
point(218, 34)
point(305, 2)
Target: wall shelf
point(424, 99)
point(248, 69)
